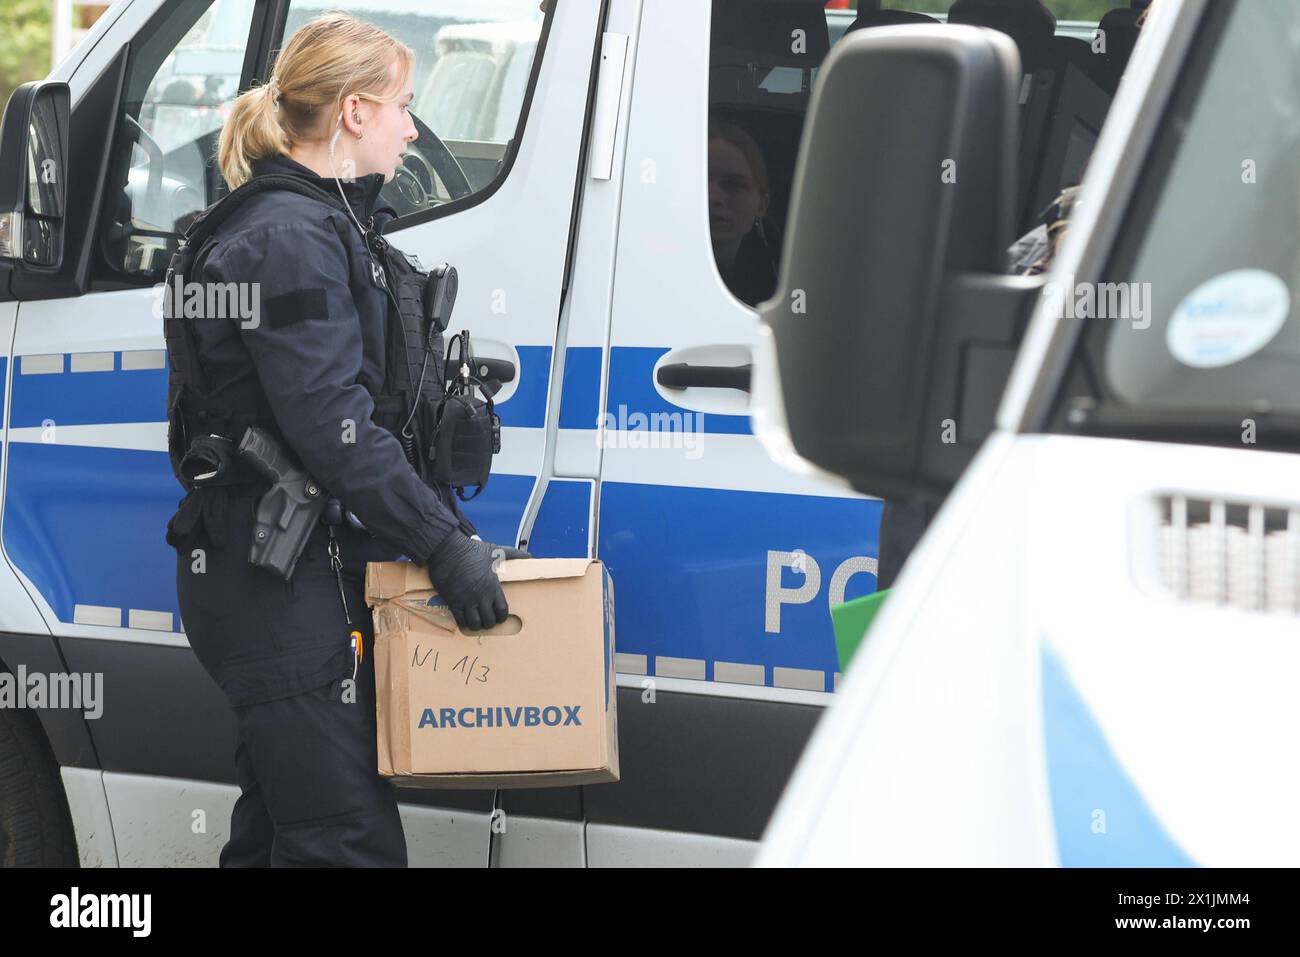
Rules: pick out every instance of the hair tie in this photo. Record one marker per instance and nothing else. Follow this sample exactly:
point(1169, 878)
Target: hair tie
point(273, 88)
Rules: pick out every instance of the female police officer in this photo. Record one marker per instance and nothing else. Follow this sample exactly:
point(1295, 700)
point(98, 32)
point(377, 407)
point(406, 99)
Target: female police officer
point(312, 369)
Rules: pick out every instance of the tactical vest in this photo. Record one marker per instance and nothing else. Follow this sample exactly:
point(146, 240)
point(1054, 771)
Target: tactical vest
point(413, 362)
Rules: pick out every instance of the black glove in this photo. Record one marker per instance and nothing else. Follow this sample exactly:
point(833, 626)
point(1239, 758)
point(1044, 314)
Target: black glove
point(463, 570)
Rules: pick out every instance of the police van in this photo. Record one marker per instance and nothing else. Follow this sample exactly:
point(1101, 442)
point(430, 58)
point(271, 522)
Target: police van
point(614, 187)
point(1088, 659)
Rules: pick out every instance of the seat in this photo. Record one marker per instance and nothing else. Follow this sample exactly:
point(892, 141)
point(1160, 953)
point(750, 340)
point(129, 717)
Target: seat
point(1028, 22)
point(1059, 75)
point(870, 15)
point(1078, 53)
point(1120, 28)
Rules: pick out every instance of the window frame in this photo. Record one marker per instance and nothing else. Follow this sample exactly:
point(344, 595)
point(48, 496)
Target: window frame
point(107, 274)
point(265, 35)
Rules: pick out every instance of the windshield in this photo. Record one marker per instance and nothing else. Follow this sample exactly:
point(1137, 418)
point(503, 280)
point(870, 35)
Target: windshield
point(1197, 323)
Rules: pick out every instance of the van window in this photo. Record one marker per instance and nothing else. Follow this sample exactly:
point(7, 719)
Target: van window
point(180, 83)
point(473, 66)
point(765, 57)
point(1197, 333)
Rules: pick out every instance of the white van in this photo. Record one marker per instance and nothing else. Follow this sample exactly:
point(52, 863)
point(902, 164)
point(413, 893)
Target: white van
point(585, 241)
point(1089, 658)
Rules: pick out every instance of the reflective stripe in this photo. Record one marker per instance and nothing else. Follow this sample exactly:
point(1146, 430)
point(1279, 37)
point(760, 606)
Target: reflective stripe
point(679, 667)
point(144, 359)
point(40, 364)
point(96, 615)
point(629, 664)
point(741, 674)
point(91, 362)
point(803, 678)
point(152, 620)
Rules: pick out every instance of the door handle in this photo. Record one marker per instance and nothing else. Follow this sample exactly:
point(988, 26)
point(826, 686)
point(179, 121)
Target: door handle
point(682, 375)
point(500, 370)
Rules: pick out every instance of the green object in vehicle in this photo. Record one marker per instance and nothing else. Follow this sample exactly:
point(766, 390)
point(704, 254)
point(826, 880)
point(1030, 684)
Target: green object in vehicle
point(851, 621)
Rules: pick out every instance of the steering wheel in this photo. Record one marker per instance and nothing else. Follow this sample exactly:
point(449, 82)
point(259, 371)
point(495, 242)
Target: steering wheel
point(414, 184)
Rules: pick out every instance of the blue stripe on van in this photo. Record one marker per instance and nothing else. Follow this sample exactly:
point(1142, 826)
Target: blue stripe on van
point(527, 407)
point(89, 398)
point(631, 386)
point(1100, 818)
point(693, 564)
point(560, 530)
point(140, 395)
point(580, 395)
point(86, 525)
point(497, 511)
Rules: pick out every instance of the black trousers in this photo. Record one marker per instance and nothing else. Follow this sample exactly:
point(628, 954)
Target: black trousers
point(306, 761)
point(310, 795)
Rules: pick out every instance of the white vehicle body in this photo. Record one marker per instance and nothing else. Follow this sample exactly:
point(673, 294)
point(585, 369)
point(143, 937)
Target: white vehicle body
point(1069, 671)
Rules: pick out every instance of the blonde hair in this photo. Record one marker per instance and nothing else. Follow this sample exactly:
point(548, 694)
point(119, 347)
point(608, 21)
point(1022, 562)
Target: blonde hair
point(329, 58)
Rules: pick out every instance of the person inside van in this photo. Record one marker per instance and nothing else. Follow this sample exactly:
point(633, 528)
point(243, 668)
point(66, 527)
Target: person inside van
point(738, 201)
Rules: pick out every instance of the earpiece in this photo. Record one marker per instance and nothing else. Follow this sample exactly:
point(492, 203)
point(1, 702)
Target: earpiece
point(356, 118)
point(339, 186)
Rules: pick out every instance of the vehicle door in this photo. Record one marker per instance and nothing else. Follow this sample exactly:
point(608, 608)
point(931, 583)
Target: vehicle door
point(726, 566)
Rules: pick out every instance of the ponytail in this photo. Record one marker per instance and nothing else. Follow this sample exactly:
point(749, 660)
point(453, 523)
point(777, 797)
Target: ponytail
point(251, 132)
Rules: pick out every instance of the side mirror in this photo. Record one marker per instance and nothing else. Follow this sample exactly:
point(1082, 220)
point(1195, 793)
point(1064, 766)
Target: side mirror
point(890, 339)
point(34, 175)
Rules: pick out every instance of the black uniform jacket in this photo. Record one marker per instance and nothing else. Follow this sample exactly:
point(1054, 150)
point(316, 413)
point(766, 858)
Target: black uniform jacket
point(317, 347)
point(316, 343)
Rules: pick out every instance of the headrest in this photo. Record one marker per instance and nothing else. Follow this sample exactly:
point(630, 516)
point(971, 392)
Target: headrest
point(1121, 30)
point(1027, 22)
point(886, 18)
point(1122, 18)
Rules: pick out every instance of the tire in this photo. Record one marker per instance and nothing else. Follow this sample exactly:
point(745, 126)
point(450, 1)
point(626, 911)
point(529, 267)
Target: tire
point(35, 825)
